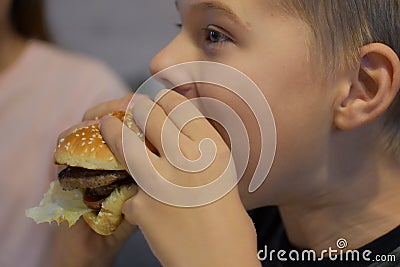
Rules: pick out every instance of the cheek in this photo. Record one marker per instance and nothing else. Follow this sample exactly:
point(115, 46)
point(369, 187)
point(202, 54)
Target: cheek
point(301, 111)
point(281, 67)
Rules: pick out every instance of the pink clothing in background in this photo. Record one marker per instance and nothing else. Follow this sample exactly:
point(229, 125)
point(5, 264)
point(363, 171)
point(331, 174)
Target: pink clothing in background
point(45, 91)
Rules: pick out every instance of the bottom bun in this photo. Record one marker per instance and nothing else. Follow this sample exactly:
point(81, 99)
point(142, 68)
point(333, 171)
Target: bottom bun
point(110, 216)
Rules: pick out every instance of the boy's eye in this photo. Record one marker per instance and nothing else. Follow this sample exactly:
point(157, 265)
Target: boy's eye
point(215, 36)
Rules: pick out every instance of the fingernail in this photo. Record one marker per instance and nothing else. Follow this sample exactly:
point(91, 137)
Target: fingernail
point(124, 106)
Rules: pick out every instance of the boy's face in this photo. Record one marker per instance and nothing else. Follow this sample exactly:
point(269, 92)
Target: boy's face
point(272, 48)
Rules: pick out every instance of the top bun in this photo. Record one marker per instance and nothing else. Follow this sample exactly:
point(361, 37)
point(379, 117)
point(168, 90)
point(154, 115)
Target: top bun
point(85, 148)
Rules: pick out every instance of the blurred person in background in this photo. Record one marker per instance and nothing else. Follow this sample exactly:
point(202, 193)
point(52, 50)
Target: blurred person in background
point(43, 90)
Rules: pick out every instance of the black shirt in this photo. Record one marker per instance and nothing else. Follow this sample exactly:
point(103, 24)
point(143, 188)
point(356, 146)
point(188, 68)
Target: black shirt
point(271, 238)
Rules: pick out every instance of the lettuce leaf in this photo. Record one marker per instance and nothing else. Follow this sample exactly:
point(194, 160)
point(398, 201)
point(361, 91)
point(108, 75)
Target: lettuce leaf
point(59, 205)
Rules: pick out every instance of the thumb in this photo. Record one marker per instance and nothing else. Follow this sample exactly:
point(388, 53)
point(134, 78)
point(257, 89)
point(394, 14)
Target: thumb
point(128, 211)
point(124, 231)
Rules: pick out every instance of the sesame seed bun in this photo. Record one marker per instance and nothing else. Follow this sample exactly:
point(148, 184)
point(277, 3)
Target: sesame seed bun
point(85, 148)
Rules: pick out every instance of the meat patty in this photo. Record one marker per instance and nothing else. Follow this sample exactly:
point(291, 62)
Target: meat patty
point(98, 184)
point(94, 197)
point(73, 178)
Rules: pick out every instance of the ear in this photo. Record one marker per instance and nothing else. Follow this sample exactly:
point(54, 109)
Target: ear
point(372, 87)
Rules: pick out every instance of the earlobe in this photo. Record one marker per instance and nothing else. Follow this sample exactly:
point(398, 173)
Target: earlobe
point(372, 88)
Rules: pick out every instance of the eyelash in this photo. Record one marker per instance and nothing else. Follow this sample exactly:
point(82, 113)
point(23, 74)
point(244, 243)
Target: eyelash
point(211, 32)
point(215, 37)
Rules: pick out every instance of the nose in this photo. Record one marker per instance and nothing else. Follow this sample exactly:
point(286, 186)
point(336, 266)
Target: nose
point(179, 50)
point(166, 57)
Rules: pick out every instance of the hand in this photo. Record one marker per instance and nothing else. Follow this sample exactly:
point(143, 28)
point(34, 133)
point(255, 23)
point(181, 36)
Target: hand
point(80, 246)
point(216, 234)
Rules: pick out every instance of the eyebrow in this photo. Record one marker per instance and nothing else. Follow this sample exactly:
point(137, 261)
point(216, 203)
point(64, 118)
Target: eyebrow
point(217, 6)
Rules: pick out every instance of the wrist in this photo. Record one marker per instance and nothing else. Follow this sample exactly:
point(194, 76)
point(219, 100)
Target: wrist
point(225, 237)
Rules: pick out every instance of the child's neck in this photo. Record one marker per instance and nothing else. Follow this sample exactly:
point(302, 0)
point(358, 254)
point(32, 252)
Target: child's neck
point(362, 208)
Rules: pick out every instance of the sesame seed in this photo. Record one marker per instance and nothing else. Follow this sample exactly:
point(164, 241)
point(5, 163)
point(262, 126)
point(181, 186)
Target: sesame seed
point(62, 140)
point(90, 142)
point(77, 135)
point(83, 138)
point(92, 149)
point(91, 138)
point(83, 133)
point(83, 143)
point(111, 158)
point(86, 150)
point(69, 143)
point(103, 142)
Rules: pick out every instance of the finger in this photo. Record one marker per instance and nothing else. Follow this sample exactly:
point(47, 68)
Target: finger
point(125, 230)
point(158, 127)
point(111, 129)
point(134, 207)
point(107, 107)
point(127, 211)
point(184, 114)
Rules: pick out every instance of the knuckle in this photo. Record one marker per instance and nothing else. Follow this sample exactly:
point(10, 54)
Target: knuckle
point(88, 114)
point(161, 95)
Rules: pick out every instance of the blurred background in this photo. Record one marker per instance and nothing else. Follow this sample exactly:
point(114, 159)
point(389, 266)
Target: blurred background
point(125, 34)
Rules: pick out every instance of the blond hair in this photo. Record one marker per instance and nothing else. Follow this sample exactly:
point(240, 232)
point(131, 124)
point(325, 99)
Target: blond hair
point(341, 27)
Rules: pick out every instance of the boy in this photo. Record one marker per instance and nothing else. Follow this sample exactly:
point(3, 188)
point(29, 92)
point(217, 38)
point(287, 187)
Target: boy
point(331, 73)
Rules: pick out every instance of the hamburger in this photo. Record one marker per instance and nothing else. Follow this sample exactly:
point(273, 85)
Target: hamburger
point(93, 183)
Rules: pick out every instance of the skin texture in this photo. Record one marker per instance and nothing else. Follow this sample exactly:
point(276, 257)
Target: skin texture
point(331, 177)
